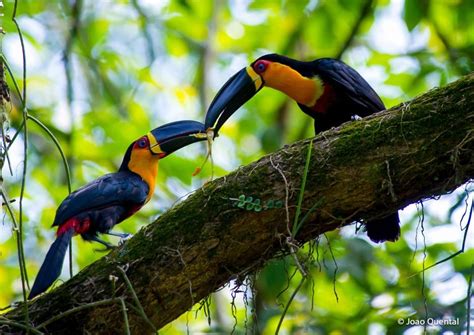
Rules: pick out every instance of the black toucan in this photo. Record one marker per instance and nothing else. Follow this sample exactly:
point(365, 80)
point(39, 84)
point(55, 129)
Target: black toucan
point(98, 206)
point(326, 89)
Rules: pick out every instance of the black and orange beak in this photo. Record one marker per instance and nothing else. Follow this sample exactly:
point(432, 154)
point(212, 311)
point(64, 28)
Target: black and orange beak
point(236, 91)
point(175, 135)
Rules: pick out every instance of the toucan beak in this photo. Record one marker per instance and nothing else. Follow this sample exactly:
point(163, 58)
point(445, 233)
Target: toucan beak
point(175, 135)
point(236, 91)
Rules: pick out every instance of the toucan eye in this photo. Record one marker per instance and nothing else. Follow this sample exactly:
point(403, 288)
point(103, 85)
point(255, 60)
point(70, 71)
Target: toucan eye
point(142, 143)
point(260, 66)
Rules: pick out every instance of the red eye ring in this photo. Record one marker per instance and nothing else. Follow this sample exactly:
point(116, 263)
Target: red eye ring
point(260, 66)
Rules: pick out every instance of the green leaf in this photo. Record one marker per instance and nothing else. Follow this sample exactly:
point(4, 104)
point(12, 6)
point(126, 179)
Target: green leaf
point(414, 12)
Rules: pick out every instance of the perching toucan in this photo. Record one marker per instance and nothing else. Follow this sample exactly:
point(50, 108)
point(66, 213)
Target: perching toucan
point(326, 89)
point(98, 206)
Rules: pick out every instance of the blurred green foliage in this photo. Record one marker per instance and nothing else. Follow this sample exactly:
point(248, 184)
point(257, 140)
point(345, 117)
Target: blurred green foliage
point(101, 73)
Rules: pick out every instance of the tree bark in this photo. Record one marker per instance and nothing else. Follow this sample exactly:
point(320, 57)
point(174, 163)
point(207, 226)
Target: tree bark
point(362, 170)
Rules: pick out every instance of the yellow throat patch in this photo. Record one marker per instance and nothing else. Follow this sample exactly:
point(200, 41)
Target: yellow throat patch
point(303, 90)
point(145, 164)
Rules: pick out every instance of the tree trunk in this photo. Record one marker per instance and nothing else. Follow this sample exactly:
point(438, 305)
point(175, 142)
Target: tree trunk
point(362, 170)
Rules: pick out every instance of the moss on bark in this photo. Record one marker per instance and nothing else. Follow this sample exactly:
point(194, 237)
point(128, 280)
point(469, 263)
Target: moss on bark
point(363, 169)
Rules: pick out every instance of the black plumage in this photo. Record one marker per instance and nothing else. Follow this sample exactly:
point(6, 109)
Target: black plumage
point(105, 201)
point(101, 204)
point(347, 95)
point(326, 89)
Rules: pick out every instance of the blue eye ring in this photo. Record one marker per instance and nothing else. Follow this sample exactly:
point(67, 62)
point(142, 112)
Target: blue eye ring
point(260, 66)
point(142, 143)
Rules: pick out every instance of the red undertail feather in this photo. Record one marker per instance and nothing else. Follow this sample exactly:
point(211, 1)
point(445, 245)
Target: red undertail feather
point(78, 226)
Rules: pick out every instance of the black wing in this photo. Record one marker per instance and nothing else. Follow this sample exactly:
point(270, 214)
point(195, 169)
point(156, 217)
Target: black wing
point(348, 82)
point(120, 188)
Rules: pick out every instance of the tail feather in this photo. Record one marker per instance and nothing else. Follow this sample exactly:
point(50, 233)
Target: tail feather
point(384, 229)
point(52, 264)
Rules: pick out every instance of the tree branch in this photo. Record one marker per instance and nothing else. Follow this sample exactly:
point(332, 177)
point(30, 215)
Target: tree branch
point(363, 169)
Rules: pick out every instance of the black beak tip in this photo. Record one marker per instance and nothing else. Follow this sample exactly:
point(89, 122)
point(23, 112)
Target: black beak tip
point(233, 94)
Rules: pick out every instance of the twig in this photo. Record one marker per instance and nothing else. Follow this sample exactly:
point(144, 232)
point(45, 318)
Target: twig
point(460, 251)
point(469, 297)
point(135, 298)
point(275, 166)
point(296, 224)
point(21, 254)
point(17, 89)
point(289, 239)
point(205, 305)
point(311, 210)
point(58, 146)
point(233, 309)
point(288, 281)
point(18, 131)
point(5, 321)
point(336, 267)
point(125, 316)
point(416, 239)
point(288, 304)
point(425, 302)
point(78, 309)
point(51, 135)
point(3, 117)
point(466, 202)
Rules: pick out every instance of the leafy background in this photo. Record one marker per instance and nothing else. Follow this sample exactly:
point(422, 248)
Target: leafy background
point(101, 73)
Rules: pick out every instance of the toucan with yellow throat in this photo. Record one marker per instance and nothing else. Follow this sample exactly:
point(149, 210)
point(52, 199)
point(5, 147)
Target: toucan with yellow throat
point(327, 89)
point(101, 204)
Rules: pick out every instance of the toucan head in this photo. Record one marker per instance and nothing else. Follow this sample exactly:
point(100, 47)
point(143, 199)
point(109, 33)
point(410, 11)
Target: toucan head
point(292, 77)
point(162, 141)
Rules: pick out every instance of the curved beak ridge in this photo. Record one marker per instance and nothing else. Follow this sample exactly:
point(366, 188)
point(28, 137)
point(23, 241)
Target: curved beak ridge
point(240, 88)
point(175, 135)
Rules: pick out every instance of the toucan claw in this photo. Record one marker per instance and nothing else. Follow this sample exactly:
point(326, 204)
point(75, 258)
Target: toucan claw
point(124, 239)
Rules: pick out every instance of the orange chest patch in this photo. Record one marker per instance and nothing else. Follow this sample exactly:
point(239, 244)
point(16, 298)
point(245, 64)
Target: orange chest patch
point(143, 163)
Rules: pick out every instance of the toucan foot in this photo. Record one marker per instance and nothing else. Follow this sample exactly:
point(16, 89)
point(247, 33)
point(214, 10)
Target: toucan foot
point(121, 235)
point(124, 239)
point(107, 245)
point(106, 248)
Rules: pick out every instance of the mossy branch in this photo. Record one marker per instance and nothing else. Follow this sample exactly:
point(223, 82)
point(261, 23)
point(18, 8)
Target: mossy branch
point(364, 169)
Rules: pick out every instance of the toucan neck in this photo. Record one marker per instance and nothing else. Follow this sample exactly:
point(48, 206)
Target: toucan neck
point(304, 90)
point(143, 163)
point(148, 171)
point(126, 159)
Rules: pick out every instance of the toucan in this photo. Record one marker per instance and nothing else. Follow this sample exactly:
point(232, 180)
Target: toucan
point(101, 204)
point(327, 89)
